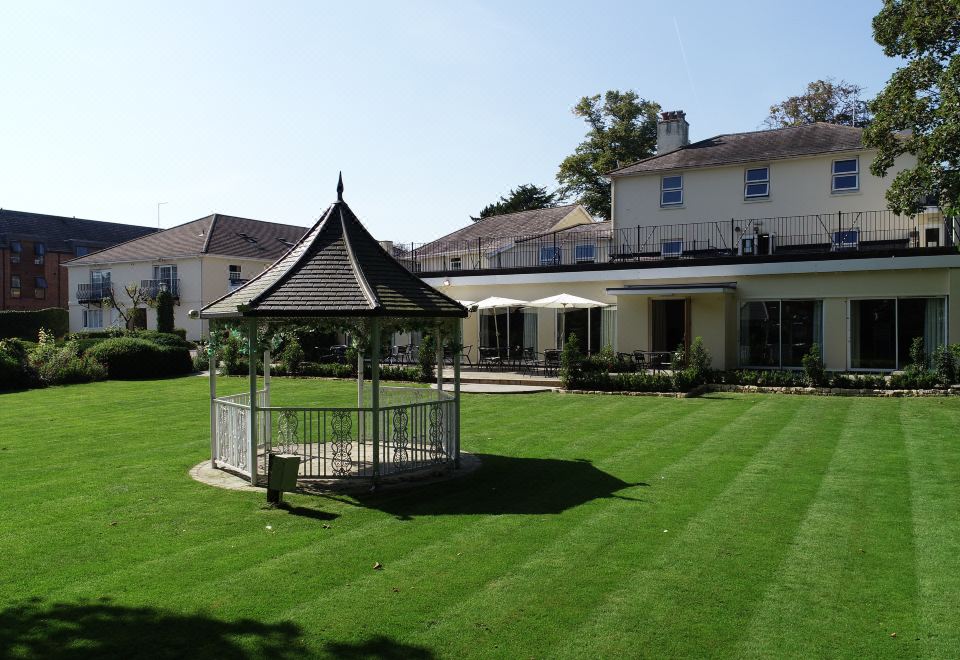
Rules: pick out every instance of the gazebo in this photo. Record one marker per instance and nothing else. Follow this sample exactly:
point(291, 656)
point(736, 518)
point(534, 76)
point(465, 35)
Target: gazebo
point(337, 271)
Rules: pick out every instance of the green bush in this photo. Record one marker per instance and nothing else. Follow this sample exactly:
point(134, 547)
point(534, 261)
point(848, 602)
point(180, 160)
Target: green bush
point(571, 363)
point(201, 361)
point(291, 356)
point(814, 372)
point(63, 364)
point(918, 356)
point(132, 357)
point(162, 338)
point(164, 311)
point(913, 380)
point(17, 324)
point(327, 370)
point(427, 358)
point(15, 369)
point(945, 365)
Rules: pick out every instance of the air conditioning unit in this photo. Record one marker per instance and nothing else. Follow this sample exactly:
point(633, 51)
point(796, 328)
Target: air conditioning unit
point(752, 245)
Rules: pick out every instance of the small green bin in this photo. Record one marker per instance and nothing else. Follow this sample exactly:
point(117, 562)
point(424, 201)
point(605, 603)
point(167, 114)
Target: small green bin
point(282, 472)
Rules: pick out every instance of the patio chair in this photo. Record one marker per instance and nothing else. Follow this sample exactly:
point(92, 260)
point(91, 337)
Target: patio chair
point(490, 358)
point(640, 360)
point(465, 355)
point(529, 361)
point(551, 360)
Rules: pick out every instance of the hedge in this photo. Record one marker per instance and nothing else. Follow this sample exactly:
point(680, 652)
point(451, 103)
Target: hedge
point(26, 324)
point(132, 357)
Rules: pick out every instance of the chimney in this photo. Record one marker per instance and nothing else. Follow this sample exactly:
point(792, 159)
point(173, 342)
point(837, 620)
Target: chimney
point(673, 131)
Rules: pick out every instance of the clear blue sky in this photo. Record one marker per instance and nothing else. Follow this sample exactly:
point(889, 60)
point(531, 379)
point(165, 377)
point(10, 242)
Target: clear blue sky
point(431, 110)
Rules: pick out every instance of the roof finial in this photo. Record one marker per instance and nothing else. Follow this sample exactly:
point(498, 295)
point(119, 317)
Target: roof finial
point(340, 188)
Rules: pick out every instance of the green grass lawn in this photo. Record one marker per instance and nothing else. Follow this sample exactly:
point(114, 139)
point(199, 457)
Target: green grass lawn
point(598, 526)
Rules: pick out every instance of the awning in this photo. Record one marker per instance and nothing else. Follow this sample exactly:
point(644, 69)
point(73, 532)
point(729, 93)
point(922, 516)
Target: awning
point(673, 289)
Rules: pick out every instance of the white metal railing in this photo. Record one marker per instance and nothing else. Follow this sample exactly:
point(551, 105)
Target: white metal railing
point(232, 414)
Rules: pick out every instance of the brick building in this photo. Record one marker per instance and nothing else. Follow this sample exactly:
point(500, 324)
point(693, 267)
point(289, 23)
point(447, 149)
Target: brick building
point(33, 246)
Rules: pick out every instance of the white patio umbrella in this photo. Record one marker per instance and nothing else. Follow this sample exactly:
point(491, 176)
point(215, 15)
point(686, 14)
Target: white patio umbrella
point(495, 302)
point(565, 301)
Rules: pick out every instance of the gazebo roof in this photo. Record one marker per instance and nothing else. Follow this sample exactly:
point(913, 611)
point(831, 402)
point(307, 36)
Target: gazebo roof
point(336, 269)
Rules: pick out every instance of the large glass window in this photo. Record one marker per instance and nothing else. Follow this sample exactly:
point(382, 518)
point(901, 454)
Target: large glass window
point(881, 330)
point(671, 190)
point(846, 175)
point(756, 183)
point(778, 333)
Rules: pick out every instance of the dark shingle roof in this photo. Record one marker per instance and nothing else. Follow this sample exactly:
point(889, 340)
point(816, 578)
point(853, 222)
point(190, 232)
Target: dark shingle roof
point(61, 234)
point(506, 226)
point(337, 269)
point(220, 234)
point(807, 140)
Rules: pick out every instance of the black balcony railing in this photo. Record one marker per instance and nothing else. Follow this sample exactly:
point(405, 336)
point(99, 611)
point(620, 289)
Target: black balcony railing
point(152, 288)
point(838, 233)
point(93, 293)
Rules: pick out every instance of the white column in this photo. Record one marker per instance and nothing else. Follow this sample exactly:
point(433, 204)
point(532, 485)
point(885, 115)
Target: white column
point(457, 340)
point(213, 404)
point(266, 422)
point(252, 421)
point(375, 392)
point(439, 345)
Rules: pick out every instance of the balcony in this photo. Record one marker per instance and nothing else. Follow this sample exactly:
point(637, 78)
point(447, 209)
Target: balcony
point(93, 293)
point(825, 235)
point(153, 287)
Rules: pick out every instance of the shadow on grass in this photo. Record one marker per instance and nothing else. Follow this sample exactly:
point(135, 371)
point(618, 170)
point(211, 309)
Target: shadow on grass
point(377, 648)
point(306, 512)
point(504, 485)
point(102, 629)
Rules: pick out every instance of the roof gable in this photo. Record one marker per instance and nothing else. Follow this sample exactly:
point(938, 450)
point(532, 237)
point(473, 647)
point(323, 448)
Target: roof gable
point(756, 146)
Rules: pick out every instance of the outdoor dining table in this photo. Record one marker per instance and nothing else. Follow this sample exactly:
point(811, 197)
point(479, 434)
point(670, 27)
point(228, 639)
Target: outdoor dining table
point(656, 360)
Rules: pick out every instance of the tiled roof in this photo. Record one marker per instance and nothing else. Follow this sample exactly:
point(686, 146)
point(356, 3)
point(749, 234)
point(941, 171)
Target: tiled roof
point(61, 234)
point(337, 269)
point(758, 146)
point(504, 226)
point(219, 234)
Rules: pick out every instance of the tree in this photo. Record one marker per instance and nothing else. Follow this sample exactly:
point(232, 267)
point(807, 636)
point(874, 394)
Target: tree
point(139, 299)
point(832, 101)
point(522, 198)
point(918, 111)
point(622, 129)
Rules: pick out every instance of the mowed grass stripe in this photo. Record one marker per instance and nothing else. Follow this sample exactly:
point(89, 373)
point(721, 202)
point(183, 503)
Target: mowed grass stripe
point(933, 458)
point(836, 589)
point(549, 592)
point(696, 595)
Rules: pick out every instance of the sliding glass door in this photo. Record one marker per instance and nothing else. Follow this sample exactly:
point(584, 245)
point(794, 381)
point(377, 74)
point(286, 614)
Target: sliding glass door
point(778, 333)
point(882, 329)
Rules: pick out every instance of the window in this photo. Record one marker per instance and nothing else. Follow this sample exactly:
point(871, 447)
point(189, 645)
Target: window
point(778, 333)
point(756, 183)
point(14, 286)
point(15, 249)
point(456, 263)
point(166, 277)
point(549, 255)
point(93, 318)
point(234, 273)
point(585, 254)
point(81, 251)
point(39, 252)
point(671, 190)
point(881, 330)
point(40, 288)
point(846, 175)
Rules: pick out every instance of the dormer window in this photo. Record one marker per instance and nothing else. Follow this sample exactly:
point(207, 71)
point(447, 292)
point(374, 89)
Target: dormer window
point(671, 190)
point(845, 175)
point(756, 183)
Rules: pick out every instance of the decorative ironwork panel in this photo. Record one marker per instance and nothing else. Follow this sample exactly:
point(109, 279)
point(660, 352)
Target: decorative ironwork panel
point(438, 449)
point(401, 456)
point(232, 436)
point(341, 426)
point(288, 438)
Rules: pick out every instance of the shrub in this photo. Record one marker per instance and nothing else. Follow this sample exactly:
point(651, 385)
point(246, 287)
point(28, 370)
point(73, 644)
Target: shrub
point(15, 369)
point(944, 365)
point(201, 361)
point(327, 369)
point(164, 311)
point(699, 360)
point(162, 338)
point(132, 357)
point(18, 324)
point(291, 355)
point(571, 363)
point(63, 364)
point(913, 380)
point(814, 373)
point(918, 356)
point(427, 358)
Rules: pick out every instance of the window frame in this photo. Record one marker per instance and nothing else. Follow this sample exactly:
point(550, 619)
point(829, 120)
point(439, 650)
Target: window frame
point(834, 174)
point(592, 258)
point(40, 287)
point(39, 253)
point(747, 183)
point(896, 329)
point(231, 272)
point(554, 250)
point(16, 249)
point(456, 263)
point(780, 304)
point(92, 312)
point(16, 286)
point(673, 189)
